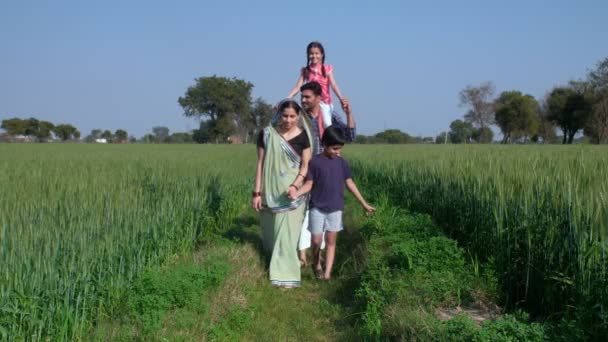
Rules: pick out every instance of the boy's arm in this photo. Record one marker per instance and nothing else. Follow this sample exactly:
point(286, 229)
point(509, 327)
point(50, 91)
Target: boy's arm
point(350, 185)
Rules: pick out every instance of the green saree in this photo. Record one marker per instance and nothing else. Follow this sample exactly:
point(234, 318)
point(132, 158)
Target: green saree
point(282, 218)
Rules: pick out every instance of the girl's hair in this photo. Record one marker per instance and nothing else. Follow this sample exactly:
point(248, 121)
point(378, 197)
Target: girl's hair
point(333, 136)
point(311, 46)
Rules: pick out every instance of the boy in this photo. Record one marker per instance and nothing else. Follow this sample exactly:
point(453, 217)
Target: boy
point(327, 175)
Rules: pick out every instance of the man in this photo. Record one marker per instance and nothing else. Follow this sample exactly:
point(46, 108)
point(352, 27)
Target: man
point(311, 99)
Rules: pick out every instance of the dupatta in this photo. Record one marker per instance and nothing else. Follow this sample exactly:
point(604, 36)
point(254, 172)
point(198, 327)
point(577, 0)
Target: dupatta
point(281, 166)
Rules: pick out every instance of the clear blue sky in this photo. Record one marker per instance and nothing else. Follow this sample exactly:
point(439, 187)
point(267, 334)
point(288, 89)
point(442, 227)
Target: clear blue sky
point(123, 64)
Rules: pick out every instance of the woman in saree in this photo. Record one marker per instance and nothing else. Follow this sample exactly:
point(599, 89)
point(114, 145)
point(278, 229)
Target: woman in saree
point(284, 150)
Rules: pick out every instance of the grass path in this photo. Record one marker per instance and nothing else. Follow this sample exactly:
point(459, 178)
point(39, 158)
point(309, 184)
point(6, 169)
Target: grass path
point(245, 306)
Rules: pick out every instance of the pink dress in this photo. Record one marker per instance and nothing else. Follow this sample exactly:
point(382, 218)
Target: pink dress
point(316, 74)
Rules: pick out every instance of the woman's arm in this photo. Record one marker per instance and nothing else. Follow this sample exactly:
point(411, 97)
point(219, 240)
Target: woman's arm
point(256, 201)
point(306, 155)
point(350, 185)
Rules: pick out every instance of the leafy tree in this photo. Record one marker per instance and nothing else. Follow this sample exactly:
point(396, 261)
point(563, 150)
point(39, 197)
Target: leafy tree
point(259, 116)
point(223, 127)
point(597, 125)
point(362, 139)
point(44, 130)
point(479, 99)
point(516, 115)
point(394, 136)
point(482, 135)
point(222, 100)
point(460, 132)
point(428, 140)
point(107, 134)
point(160, 133)
point(202, 135)
point(66, 132)
point(148, 138)
point(121, 135)
point(39, 129)
point(31, 127)
point(442, 138)
point(15, 126)
point(546, 130)
point(96, 133)
point(180, 138)
point(569, 109)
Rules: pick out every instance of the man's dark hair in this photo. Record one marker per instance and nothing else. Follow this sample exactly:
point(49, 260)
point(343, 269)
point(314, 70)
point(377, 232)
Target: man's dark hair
point(314, 86)
point(333, 136)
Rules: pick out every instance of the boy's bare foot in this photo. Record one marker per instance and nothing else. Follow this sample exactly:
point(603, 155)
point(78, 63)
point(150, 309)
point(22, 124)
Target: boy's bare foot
point(319, 274)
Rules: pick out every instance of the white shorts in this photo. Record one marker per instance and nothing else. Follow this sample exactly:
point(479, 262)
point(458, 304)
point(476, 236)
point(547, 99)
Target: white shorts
point(326, 110)
point(320, 222)
point(305, 237)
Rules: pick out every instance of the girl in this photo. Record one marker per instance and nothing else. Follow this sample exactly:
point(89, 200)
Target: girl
point(316, 70)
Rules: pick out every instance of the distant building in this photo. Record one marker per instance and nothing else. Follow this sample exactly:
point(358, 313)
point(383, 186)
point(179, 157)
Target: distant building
point(101, 141)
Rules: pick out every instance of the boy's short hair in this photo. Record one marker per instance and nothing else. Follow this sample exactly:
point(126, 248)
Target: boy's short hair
point(333, 136)
point(313, 86)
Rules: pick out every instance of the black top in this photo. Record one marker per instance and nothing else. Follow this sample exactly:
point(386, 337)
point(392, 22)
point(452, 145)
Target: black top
point(298, 143)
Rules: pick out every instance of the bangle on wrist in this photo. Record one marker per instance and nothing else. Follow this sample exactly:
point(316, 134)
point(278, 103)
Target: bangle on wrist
point(256, 194)
point(294, 186)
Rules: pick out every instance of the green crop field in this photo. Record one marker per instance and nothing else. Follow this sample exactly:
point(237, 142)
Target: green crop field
point(79, 223)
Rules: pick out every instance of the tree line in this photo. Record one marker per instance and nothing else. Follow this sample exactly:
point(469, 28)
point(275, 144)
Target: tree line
point(227, 114)
point(579, 106)
point(39, 130)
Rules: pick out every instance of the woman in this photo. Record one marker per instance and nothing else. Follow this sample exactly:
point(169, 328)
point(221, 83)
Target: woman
point(284, 150)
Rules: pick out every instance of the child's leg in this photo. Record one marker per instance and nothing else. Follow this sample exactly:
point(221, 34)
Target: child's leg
point(333, 226)
point(316, 251)
point(326, 110)
point(316, 221)
point(330, 252)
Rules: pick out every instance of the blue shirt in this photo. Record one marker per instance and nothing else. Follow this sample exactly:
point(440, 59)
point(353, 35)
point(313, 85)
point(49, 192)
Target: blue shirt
point(328, 176)
point(348, 133)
